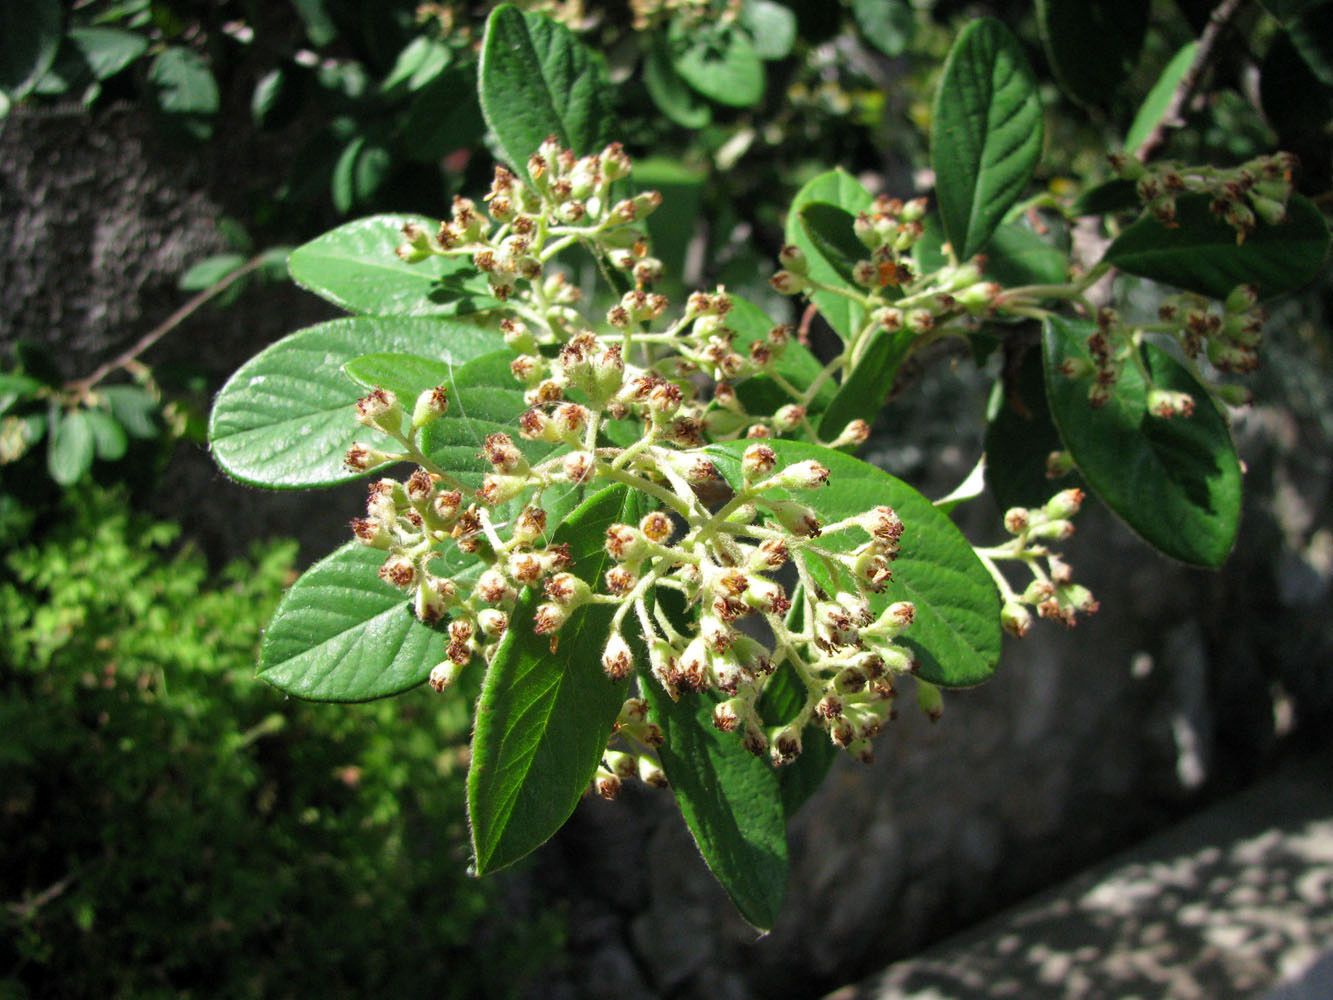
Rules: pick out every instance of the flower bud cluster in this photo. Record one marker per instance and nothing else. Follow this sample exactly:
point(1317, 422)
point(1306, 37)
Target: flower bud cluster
point(1256, 191)
point(564, 197)
point(1229, 339)
point(1052, 592)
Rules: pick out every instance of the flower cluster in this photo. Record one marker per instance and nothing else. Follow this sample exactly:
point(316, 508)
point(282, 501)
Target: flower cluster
point(1051, 592)
point(1229, 339)
point(897, 296)
point(716, 551)
point(1240, 196)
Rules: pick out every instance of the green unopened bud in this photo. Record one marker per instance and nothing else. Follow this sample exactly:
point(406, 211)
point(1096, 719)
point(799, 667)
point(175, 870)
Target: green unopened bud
point(786, 282)
point(929, 698)
point(1064, 504)
point(443, 675)
point(1059, 463)
point(1015, 619)
point(431, 405)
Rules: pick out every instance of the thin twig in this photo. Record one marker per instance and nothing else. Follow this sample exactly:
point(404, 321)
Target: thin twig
point(1171, 118)
point(79, 387)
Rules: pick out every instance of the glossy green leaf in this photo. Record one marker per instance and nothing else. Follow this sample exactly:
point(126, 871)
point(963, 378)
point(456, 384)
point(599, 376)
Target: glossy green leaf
point(536, 80)
point(1092, 44)
point(956, 633)
point(109, 438)
point(668, 89)
point(772, 28)
point(355, 267)
point(1020, 435)
point(545, 712)
point(831, 230)
point(1175, 481)
point(862, 392)
point(70, 446)
point(719, 61)
point(1200, 252)
point(405, 375)
point(29, 37)
point(285, 419)
point(834, 187)
point(1159, 98)
point(343, 634)
point(987, 133)
point(889, 25)
point(185, 90)
point(1015, 255)
point(731, 802)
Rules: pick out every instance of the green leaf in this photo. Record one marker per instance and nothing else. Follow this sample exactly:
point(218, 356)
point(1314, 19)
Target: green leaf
point(889, 25)
point(319, 26)
point(1019, 438)
point(89, 55)
point(1017, 256)
point(1175, 481)
point(987, 133)
point(285, 419)
point(417, 64)
point(343, 634)
point(537, 80)
point(863, 391)
point(1312, 35)
point(355, 267)
point(359, 172)
point(956, 633)
point(1159, 98)
point(831, 230)
point(731, 802)
point(135, 409)
point(209, 271)
point(405, 375)
point(719, 61)
point(109, 437)
point(185, 90)
point(29, 38)
point(835, 187)
point(445, 115)
point(1092, 44)
point(70, 446)
point(18, 385)
point(668, 89)
point(1115, 195)
point(545, 713)
point(1200, 252)
point(772, 28)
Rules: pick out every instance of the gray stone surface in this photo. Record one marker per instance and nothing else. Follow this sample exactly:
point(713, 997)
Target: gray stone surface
point(1221, 907)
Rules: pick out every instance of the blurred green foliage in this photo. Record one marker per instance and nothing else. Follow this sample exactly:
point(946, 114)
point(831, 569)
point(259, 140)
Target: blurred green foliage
point(170, 828)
